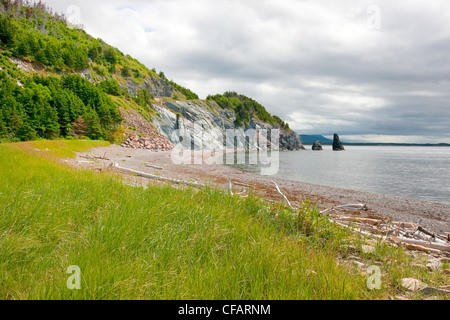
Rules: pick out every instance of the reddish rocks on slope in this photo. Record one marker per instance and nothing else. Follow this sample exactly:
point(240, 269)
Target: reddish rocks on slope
point(157, 143)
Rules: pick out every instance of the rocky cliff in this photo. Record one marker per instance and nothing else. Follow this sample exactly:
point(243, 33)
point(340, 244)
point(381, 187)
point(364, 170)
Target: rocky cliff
point(209, 124)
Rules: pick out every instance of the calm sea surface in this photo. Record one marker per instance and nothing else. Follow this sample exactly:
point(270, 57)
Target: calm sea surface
point(411, 172)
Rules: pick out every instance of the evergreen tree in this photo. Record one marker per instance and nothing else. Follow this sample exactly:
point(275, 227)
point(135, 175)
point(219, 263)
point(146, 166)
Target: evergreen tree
point(143, 98)
point(26, 132)
point(7, 30)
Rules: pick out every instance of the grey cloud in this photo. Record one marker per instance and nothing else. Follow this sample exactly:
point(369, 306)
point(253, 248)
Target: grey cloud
point(316, 60)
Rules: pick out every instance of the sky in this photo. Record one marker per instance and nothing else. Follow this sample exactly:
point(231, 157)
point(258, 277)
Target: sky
point(373, 71)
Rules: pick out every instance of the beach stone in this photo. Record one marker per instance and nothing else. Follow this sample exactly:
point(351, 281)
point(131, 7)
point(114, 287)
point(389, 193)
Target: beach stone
point(429, 291)
point(434, 265)
point(412, 284)
point(368, 249)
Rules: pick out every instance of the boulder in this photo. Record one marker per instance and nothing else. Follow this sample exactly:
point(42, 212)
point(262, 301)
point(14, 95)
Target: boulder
point(412, 284)
point(337, 145)
point(317, 146)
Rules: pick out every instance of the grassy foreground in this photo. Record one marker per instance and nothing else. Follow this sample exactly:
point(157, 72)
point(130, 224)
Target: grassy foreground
point(155, 243)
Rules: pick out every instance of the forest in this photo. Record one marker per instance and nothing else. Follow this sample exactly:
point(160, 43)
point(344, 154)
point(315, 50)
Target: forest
point(51, 107)
point(62, 104)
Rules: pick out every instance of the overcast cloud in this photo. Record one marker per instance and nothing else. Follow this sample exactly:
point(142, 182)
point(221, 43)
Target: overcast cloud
point(373, 70)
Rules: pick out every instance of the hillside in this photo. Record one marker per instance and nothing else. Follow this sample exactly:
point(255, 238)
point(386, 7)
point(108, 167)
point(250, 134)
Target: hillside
point(58, 81)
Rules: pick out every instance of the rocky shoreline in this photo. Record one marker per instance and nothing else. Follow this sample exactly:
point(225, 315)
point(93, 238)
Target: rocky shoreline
point(147, 143)
point(435, 216)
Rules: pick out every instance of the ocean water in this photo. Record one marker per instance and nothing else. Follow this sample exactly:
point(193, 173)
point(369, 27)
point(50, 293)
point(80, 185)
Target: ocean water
point(421, 173)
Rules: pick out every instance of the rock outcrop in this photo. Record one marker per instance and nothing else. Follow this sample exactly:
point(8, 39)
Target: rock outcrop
point(212, 123)
point(337, 144)
point(317, 146)
point(158, 87)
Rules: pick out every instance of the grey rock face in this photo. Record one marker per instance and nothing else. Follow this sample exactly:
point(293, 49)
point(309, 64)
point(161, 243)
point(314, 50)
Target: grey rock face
point(317, 146)
point(290, 141)
point(157, 87)
point(208, 125)
point(337, 145)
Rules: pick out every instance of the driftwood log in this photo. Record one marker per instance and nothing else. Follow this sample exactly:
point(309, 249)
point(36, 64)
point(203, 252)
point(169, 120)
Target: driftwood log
point(285, 198)
point(95, 158)
point(153, 166)
point(408, 235)
point(155, 177)
point(230, 184)
point(426, 244)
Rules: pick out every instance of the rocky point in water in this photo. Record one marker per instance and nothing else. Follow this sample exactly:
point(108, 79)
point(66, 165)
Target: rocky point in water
point(337, 144)
point(317, 146)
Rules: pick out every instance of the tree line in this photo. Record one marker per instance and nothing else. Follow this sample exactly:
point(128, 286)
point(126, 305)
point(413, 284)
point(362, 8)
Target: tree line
point(245, 108)
point(51, 107)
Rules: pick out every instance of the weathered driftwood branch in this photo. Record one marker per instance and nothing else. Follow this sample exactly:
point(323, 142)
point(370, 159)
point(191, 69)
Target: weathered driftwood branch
point(354, 228)
point(404, 225)
point(374, 222)
point(230, 186)
point(426, 244)
point(151, 176)
point(96, 158)
point(153, 166)
point(285, 198)
point(434, 235)
point(231, 183)
point(411, 246)
point(327, 211)
point(368, 228)
point(243, 185)
point(353, 207)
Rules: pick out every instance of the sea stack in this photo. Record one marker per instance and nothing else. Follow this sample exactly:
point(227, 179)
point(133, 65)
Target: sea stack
point(337, 144)
point(317, 146)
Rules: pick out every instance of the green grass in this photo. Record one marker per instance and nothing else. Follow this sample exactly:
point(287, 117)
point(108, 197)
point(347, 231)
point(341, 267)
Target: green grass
point(155, 243)
point(60, 148)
